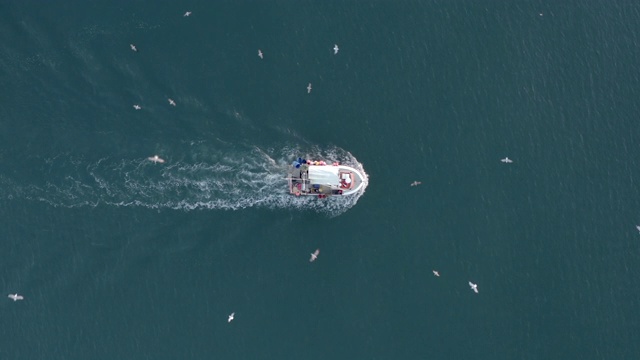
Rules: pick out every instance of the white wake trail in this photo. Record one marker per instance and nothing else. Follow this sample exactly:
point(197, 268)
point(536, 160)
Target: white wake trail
point(240, 180)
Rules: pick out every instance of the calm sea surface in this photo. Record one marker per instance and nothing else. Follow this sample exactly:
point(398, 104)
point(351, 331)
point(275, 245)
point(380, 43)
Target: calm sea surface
point(120, 258)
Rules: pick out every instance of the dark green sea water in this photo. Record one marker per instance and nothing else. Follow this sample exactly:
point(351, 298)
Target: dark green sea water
point(118, 258)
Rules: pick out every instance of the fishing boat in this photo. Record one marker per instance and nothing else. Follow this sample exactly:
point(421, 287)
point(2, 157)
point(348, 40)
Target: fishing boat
point(321, 179)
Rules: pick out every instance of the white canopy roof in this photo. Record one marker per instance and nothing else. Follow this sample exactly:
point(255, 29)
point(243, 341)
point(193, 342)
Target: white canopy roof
point(324, 175)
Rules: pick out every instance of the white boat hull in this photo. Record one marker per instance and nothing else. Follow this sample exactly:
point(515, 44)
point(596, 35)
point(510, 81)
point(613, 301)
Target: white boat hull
point(324, 180)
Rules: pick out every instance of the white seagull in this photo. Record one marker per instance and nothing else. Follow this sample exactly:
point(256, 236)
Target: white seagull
point(137, 107)
point(335, 49)
point(156, 159)
point(638, 227)
point(260, 54)
point(506, 160)
point(474, 287)
point(133, 47)
point(436, 273)
point(314, 255)
point(188, 13)
point(171, 102)
point(230, 319)
point(15, 297)
point(309, 88)
point(416, 183)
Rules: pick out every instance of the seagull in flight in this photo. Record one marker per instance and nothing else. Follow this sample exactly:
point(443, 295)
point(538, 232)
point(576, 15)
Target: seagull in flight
point(137, 107)
point(335, 49)
point(416, 183)
point(638, 227)
point(156, 159)
point(260, 54)
point(474, 287)
point(15, 297)
point(230, 319)
point(133, 47)
point(309, 88)
point(188, 13)
point(506, 160)
point(314, 255)
point(171, 102)
point(436, 273)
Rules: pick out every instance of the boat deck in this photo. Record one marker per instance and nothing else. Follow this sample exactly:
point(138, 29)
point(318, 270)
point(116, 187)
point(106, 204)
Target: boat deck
point(323, 180)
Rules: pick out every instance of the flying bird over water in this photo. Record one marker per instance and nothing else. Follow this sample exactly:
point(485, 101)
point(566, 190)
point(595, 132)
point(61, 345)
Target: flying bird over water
point(309, 88)
point(474, 287)
point(416, 183)
point(230, 319)
point(638, 227)
point(133, 47)
point(260, 54)
point(188, 13)
point(436, 273)
point(137, 107)
point(335, 49)
point(171, 102)
point(314, 255)
point(15, 297)
point(156, 159)
point(506, 160)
